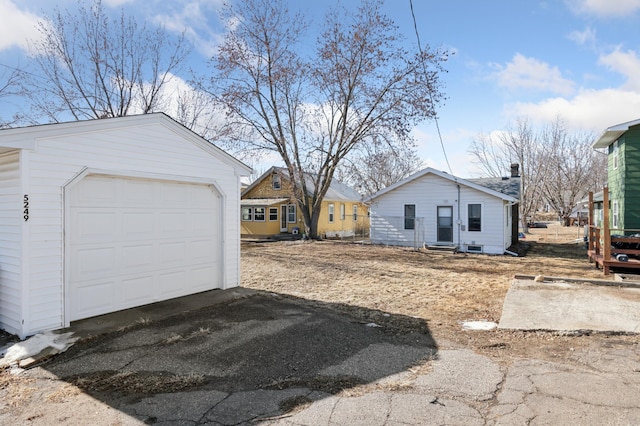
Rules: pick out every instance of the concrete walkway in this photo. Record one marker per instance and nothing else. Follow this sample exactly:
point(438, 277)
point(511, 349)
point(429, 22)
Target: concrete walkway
point(557, 304)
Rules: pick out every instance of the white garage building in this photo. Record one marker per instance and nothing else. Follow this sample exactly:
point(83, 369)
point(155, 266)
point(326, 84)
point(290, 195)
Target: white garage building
point(103, 215)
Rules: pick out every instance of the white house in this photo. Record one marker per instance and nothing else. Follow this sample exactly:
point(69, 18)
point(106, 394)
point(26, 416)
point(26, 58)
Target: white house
point(102, 215)
point(432, 207)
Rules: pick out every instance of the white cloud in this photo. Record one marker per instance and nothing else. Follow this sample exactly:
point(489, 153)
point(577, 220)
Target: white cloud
point(195, 19)
point(625, 63)
point(116, 3)
point(16, 26)
point(604, 8)
point(533, 74)
point(590, 109)
point(588, 36)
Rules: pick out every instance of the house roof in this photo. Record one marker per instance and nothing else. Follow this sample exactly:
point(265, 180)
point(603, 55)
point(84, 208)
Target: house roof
point(262, 201)
point(489, 186)
point(507, 185)
point(27, 137)
point(611, 134)
point(337, 191)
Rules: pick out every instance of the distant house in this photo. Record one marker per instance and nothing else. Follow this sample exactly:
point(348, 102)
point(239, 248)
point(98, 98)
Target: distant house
point(622, 143)
point(269, 209)
point(435, 208)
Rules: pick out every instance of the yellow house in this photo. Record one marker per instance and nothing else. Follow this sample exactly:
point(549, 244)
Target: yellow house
point(269, 209)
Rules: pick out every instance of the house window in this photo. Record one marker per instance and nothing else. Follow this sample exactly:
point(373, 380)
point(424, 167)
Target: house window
point(275, 181)
point(342, 212)
point(475, 217)
point(616, 215)
point(258, 214)
point(247, 214)
point(331, 213)
point(291, 213)
point(355, 213)
point(409, 216)
point(273, 214)
point(615, 155)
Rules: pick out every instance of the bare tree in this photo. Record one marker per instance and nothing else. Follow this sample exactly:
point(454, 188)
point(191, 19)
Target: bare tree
point(377, 165)
point(557, 167)
point(94, 66)
point(518, 144)
point(9, 86)
point(313, 112)
point(572, 168)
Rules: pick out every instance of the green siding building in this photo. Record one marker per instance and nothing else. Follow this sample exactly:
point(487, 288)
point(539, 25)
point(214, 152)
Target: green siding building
point(623, 148)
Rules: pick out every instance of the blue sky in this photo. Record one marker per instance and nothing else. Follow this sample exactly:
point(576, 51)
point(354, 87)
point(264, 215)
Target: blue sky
point(576, 59)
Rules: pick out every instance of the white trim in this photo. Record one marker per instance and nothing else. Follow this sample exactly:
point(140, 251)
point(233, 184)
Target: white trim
point(25, 255)
point(613, 133)
point(331, 212)
point(453, 179)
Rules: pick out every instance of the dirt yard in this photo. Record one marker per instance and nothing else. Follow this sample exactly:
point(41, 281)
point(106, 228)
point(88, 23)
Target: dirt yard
point(445, 289)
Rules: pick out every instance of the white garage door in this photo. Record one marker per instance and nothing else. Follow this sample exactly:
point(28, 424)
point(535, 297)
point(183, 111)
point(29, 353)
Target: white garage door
point(137, 241)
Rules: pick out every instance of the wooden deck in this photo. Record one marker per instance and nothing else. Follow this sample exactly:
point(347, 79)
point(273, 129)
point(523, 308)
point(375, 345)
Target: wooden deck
point(603, 246)
point(606, 265)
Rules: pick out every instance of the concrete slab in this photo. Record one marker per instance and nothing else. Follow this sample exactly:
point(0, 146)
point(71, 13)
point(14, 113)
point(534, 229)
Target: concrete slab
point(570, 305)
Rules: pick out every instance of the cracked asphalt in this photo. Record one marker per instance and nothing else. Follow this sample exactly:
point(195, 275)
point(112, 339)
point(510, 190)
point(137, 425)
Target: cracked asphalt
point(260, 358)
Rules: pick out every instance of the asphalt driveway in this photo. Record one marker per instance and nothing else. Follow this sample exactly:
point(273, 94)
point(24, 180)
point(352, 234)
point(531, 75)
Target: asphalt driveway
point(251, 357)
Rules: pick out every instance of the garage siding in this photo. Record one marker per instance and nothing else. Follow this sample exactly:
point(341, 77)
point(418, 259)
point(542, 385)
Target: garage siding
point(10, 241)
point(154, 149)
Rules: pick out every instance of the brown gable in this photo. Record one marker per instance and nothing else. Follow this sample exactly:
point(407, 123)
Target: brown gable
point(265, 187)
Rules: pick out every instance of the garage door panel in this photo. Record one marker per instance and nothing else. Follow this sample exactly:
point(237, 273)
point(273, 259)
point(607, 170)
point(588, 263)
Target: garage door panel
point(136, 291)
point(138, 256)
point(201, 226)
point(174, 195)
point(150, 241)
point(136, 224)
point(203, 250)
point(94, 297)
point(93, 263)
point(173, 252)
point(138, 192)
point(90, 226)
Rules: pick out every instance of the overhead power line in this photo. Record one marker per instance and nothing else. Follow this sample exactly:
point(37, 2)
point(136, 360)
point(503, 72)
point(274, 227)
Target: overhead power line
point(435, 117)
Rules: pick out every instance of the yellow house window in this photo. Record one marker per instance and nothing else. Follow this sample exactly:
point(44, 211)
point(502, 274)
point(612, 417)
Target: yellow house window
point(355, 213)
point(291, 213)
point(275, 181)
point(247, 214)
point(273, 214)
point(331, 213)
point(342, 212)
point(258, 214)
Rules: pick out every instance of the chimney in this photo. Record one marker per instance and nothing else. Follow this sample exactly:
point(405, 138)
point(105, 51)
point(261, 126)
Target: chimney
point(515, 170)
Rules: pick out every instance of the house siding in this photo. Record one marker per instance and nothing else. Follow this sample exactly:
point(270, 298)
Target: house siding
point(427, 193)
point(339, 228)
point(127, 150)
point(630, 201)
point(11, 218)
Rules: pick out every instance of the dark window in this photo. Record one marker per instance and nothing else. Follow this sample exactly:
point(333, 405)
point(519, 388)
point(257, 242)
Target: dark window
point(273, 214)
point(475, 217)
point(409, 216)
point(258, 214)
point(275, 181)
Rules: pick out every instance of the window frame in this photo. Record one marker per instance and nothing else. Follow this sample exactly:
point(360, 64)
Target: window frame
point(409, 221)
point(331, 212)
point(343, 211)
point(291, 210)
point(615, 214)
point(477, 227)
point(615, 150)
point(246, 217)
point(263, 214)
point(355, 212)
point(276, 182)
point(270, 214)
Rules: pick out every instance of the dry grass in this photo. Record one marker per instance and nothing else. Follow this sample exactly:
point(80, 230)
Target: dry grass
point(442, 288)
point(436, 286)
